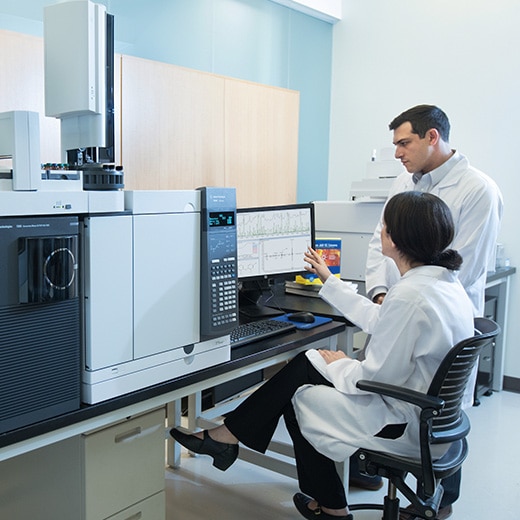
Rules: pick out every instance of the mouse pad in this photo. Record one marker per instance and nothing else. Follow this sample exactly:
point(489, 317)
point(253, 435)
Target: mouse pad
point(318, 320)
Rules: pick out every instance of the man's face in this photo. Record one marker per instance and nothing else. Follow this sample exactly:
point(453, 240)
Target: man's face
point(413, 151)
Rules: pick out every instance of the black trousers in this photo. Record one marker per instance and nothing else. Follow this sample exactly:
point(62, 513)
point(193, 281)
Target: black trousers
point(254, 421)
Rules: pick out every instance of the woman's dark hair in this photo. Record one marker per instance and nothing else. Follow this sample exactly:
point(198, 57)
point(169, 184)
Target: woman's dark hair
point(421, 226)
point(423, 118)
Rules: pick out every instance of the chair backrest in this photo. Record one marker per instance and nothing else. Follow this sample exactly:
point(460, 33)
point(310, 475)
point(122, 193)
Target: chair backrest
point(451, 378)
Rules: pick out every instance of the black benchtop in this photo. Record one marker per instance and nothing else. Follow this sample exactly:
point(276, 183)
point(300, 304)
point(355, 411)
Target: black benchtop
point(240, 357)
point(501, 272)
point(279, 299)
point(292, 302)
point(287, 302)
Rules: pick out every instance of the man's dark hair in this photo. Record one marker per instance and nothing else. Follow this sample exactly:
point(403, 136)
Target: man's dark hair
point(423, 118)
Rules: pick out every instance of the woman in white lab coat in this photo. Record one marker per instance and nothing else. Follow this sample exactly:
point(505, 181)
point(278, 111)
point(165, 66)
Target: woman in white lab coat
point(328, 418)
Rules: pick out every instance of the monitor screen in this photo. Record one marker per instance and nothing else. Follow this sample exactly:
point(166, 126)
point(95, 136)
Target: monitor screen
point(271, 240)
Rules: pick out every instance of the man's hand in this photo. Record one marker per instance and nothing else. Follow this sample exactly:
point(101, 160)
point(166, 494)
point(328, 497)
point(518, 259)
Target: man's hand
point(378, 298)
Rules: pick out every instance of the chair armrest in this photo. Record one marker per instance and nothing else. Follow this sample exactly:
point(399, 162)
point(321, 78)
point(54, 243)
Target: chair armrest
point(419, 399)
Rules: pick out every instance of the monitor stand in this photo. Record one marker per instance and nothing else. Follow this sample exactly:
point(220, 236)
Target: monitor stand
point(259, 311)
point(250, 302)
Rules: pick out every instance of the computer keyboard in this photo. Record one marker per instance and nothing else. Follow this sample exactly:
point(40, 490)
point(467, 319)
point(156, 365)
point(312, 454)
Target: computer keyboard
point(257, 330)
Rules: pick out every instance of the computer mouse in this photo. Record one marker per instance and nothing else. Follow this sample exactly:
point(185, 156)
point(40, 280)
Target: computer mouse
point(302, 317)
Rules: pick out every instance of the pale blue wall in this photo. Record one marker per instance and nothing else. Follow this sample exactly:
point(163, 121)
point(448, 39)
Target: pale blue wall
point(256, 40)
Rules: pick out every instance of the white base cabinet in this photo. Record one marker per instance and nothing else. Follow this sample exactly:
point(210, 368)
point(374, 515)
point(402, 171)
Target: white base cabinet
point(115, 473)
point(123, 464)
point(152, 508)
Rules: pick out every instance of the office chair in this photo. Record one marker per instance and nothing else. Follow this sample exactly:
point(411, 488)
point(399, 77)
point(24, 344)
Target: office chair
point(441, 421)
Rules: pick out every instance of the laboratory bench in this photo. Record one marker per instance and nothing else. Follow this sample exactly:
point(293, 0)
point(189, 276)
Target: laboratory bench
point(107, 460)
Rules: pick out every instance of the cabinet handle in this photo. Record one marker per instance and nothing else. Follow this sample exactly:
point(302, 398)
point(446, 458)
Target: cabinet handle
point(136, 516)
point(128, 435)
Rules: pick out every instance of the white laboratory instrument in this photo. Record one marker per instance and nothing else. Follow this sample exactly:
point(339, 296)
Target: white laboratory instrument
point(27, 189)
point(142, 295)
point(380, 174)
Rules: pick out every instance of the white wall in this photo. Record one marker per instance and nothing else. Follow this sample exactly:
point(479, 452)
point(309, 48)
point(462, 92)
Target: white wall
point(462, 56)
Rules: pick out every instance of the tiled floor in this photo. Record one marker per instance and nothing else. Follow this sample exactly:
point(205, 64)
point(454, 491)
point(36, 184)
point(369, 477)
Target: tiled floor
point(490, 484)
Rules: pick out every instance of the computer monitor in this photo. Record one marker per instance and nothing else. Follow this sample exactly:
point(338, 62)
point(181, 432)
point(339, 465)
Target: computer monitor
point(271, 243)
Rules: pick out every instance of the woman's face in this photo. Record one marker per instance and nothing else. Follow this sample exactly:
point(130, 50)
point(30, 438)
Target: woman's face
point(386, 242)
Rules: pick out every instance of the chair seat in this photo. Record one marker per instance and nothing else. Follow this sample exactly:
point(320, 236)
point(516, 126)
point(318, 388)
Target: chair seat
point(380, 463)
point(453, 458)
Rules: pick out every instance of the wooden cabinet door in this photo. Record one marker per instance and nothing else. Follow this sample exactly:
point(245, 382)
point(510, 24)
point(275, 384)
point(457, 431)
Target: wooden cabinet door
point(183, 128)
point(172, 126)
point(261, 143)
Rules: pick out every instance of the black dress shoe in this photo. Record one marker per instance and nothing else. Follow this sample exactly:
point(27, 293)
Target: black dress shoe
point(223, 454)
point(301, 502)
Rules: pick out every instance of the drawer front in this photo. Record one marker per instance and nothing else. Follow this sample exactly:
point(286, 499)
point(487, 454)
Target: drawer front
point(124, 464)
point(153, 508)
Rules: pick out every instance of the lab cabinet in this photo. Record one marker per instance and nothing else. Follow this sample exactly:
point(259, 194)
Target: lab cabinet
point(150, 509)
point(123, 465)
point(114, 473)
point(44, 483)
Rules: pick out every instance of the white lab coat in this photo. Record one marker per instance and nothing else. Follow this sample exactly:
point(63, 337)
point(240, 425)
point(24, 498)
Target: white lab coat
point(421, 318)
point(476, 206)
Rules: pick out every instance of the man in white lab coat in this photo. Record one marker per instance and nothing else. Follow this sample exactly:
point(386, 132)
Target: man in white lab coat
point(421, 140)
point(421, 143)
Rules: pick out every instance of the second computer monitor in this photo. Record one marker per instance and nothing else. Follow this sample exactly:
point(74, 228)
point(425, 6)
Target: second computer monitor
point(271, 243)
point(272, 239)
